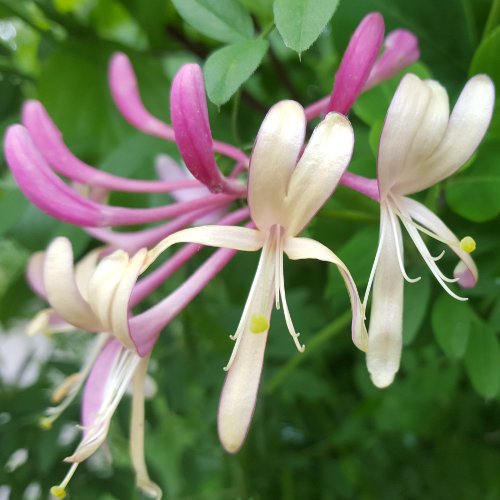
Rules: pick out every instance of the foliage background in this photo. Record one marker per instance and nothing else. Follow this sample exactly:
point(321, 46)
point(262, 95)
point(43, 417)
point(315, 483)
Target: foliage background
point(321, 430)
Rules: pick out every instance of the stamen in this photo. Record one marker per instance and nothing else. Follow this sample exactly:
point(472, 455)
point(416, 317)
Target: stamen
point(277, 267)
point(59, 490)
point(64, 388)
point(468, 244)
point(375, 262)
point(398, 250)
point(288, 318)
point(439, 257)
point(121, 373)
point(259, 323)
point(72, 389)
point(262, 274)
point(424, 252)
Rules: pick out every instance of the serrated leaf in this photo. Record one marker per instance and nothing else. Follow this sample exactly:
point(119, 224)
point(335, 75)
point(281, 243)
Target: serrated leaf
point(475, 193)
point(223, 20)
point(451, 323)
point(483, 360)
point(300, 22)
point(227, 68)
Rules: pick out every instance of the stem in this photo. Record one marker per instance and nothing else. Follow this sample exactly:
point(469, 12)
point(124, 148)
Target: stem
point(234, 117)
point(267, 30)
point(317, 341)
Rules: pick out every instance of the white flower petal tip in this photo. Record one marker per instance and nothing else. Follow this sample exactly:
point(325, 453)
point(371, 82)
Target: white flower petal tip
point(382, 376)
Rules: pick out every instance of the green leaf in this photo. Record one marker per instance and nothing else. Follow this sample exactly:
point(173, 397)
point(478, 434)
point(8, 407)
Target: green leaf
point(416, 300)
point(486, 61)
point(451, 323)
point(300, 22)
point(13, 258)
point(223, 20)
point(358, 254)
point(227, 68)
point(475, 193)
point(483, 360)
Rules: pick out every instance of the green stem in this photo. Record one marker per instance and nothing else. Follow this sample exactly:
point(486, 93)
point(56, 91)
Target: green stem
point(493, 19)
point(317, 341)
point(234, 118)
point(267, 30)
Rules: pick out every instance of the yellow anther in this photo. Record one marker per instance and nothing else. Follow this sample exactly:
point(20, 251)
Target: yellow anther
point(58, 491)
point(468, 244)
point(258, 323)
point(63, 389)
point(46, 423)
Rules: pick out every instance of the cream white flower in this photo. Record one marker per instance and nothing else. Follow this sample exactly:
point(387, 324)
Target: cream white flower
point(283, 196)
point(421, 144)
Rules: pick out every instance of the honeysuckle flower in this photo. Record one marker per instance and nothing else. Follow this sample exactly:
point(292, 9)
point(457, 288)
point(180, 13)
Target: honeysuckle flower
point(421, 144)
point(360, 69)
point(98, 295)
point(283, 196)
point(191, 126)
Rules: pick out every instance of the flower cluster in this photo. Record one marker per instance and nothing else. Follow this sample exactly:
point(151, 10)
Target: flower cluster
point(285, 182)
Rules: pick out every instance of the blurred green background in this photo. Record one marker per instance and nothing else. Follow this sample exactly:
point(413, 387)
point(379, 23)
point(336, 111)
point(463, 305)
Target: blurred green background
point(320, 430)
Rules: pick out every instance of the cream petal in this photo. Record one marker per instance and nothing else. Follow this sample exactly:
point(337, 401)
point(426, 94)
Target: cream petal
point(62, 290)
point(34, 273)
point(467, 271)
point(318, 172)
point(120, 303)
point(273, 160)
point(427, 137)
point(386, 318)
point(239, 394)
point(402, 123)
point(103, 284)
point(84, 270)
point(306, 248)
point(238, 238)
point(468, 123)
point(142, 479)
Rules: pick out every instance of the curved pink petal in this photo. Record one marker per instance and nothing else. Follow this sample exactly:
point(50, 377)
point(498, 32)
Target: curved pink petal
point(125, 92)
point(189, 113)
point(49, 193)
point(401, 50)
point(48, 140)
point(357, 63)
